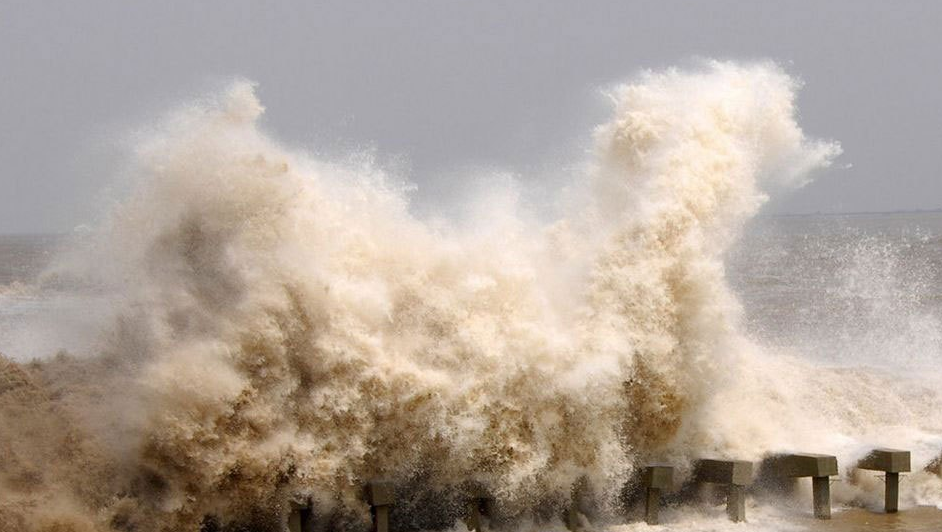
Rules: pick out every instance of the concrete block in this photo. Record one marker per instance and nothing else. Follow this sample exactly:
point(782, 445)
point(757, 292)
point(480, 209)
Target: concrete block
point(472, 518)
point(380, 493)
point(892, 462)
point(891, 493)
point(479, 503)
point(888, 460)
point(381, 518)
point(576, 516)
point(802, 465)
point(736, 503)
point(736, 472)
point(573, 519)
point(821, 494)
point(659, 477)
point(817, 466)
point(652, 504)
point(301, 518)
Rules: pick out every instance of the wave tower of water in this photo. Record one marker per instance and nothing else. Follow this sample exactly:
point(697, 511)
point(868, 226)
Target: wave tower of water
point(284, 328)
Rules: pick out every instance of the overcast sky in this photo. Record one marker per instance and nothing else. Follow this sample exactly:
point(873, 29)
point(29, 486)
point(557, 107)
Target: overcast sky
point(446, 87)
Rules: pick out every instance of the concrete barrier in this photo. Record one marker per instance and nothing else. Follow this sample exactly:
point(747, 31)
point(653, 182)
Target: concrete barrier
point(577, 513)
point(573, 518)
point(817, 466)
point(735, 475)
point(380, 495)
point(301, 518)
point(657, 479)
point(479, 504)
point(892, 462)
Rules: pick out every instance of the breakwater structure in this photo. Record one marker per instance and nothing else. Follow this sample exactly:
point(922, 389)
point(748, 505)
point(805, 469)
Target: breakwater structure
point(654, 485)
point(777, 474)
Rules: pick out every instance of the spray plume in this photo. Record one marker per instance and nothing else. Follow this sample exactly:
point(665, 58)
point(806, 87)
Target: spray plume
point(284, 328)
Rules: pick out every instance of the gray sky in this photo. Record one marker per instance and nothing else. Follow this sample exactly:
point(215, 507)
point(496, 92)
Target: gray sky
point(446, 86)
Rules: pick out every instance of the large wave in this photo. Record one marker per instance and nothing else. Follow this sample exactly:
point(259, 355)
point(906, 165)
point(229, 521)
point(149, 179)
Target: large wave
point(285, 329)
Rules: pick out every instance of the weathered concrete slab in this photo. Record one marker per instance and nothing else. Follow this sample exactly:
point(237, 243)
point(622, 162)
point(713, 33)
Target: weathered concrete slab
point(381, 518)
point(659, 476)
point(817, 466)
point(380, 493)
point(652, 506)
point(301, 520)
point(472, 518)
point(736, 503)
point(738, 472)
point(657, 479)
point(888, 460)
point(802, 465)
point(821, 497)
point(735, 474)
point(479, 504)
point(892, 462)
point(891, 493)
point(576, 516)
point(573, 519)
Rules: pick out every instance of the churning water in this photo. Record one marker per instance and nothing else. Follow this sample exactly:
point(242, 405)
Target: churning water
point(254, 326)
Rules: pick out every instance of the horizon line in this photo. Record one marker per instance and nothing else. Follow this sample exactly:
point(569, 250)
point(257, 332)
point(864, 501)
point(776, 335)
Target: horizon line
point(851, 213)
point(760, 215)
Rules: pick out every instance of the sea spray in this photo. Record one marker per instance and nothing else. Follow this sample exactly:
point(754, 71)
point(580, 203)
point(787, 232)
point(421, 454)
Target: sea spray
point(286, 329)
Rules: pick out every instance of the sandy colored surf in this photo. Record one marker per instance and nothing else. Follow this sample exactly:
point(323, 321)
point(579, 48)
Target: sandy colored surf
point(913, 519)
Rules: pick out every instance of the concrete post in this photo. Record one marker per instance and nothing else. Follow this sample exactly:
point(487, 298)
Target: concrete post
point(571, 518)
point(380, 496)
point(652, 503)
point(817, 466)
point(577, 512)
point(821, 493)
point(301, 519)
point(735, 475)
point(473, 515)
point(657, 478)
point(381, 518)
point(892, 462)
point(736, 503)
point(479, 503)
point(891, 494)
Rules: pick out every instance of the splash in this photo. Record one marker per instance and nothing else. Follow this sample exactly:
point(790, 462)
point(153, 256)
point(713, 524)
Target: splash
point(285, 329)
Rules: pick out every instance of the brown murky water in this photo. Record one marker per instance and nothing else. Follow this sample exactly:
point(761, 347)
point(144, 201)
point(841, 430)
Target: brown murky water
point(919, 519)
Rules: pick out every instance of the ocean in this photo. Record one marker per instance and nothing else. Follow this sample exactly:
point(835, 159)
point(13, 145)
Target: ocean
point(857, 289)
point(254, 328)
point(849, 291)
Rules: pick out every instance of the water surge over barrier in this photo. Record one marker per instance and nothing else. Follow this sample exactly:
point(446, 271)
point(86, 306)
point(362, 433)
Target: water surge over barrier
point(284, 328)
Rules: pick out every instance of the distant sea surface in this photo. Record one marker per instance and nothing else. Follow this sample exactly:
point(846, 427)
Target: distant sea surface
point(37, 318)
point(23, 257)
point(862, 289)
